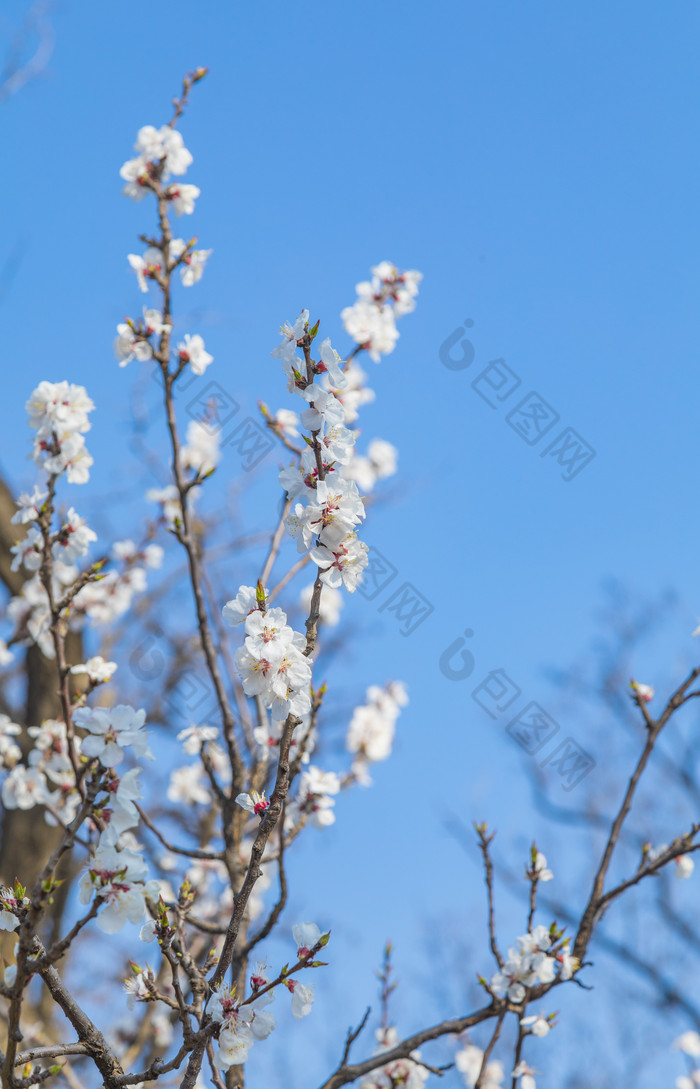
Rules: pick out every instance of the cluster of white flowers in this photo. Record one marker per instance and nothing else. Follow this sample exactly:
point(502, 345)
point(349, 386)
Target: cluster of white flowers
point(355, 394)
point(27, 786)
point(209, 879)
point(58, 412)
point(29, 610)
point(49, 758)
point(689, 1044)
point(102, 602)
point(539, 868)
point(133, 340)
point(10, 752)
point(404, 1072)
point(24, 788)
point(201, 452)
point(271, 663)
point(314, 800)
point(241, 1025)
point(119, 878)
point(371, 730)
point(188, 784)
point(71, 541)
point(534, 959)
point(169, 499)
point(469, 1060)
point(285, 422)
point(684, 863)
point(152, 264)
point(371, 320)
point(526, 1074)
point(48, 778)
point(269, 734)
point(324, 520)
point(119, 811)
point(160, 153)
point(244, 1022)
point(379, 462)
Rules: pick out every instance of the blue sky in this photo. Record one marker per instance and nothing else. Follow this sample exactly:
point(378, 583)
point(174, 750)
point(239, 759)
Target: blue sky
point(539, 165)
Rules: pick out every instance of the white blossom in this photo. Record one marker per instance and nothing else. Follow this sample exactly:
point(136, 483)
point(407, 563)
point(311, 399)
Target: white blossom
point(371, 320)
point(689, 1043)
point(169, 498)
point(355, 394)
point(29, 506)
point(194, 736)
point(28, 552)
point(236, 1035)
point(287, 422)
point(119, 879)
point(302, 997)
point(136, 989)
point(111, 731)
point(684, 866)
point(469, 1060)
point(525, 966)
point(254, 803)
point(187, 786)
point(526, 1074)
point(97, 669)
point(371, 730)
point(133, 339)
point(407, 1073)
point(193, 263)
point(24, 788)
point(541, 869)
point(344, 564)
point(182, 198)
point(306, 935)
point(10, 752)
point(60, 407)
point(330, 363)
point(536, 1024)
point(191, 350)
point(272, 664)
point(643, 692)
point(73, 538)
point(148, 266)
point(315, 797)
point(242, 605)
point(201, 452)
point(380, 462)
point(123, 814)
